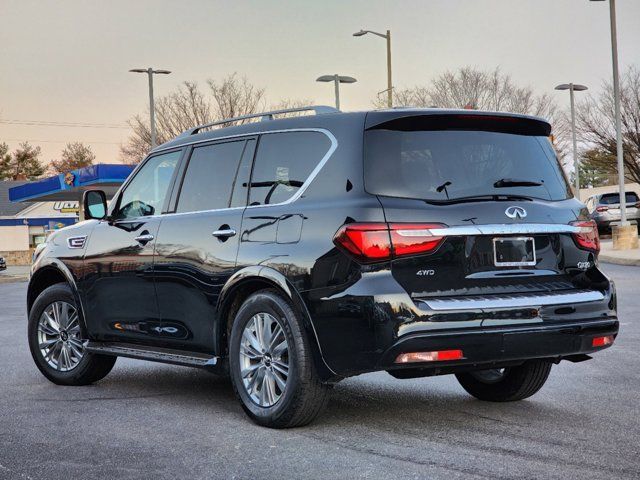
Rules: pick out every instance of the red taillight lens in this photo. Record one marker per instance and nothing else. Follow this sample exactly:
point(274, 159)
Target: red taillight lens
point(587, 238)
point(602, 209)
point(413, 238)
point(370, 242)
point(602, 341)
point(366, 241)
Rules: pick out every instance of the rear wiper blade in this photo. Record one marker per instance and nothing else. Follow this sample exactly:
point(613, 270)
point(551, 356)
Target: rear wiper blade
point(515, 182)
point(481, 198)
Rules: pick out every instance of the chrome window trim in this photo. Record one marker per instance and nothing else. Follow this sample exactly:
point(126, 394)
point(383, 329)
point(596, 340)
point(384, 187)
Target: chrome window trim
point(477, 302)
point(314, 173)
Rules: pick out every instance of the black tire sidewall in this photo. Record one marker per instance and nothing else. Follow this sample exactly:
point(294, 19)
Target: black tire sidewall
point(273, 304)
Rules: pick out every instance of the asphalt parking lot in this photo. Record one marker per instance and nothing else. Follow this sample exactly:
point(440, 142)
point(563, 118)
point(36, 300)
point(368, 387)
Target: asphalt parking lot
point(149, 420)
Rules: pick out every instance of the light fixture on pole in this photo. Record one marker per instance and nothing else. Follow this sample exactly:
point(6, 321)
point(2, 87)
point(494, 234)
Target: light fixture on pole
point(386, 36)
point(152, 113)
point(616, 101)
point(337, 79)
point(576, 163)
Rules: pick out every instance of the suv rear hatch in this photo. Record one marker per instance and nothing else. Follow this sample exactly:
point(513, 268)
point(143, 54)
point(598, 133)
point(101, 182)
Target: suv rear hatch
point(490, 187)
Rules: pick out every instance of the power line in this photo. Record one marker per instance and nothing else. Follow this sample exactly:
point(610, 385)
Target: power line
point(44, 123)
point(58, 141)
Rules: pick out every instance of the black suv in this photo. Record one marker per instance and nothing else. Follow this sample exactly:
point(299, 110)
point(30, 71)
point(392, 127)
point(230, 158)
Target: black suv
point(293, 252)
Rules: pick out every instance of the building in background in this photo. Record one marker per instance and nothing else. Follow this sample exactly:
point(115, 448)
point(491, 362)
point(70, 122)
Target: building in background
point(29, 211)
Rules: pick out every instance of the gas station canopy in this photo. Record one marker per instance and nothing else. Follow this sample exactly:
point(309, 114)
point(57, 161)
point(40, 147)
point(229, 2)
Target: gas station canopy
point(69, 186)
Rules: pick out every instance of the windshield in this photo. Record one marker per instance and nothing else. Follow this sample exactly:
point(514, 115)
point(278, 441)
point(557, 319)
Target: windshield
point(614, 198)
point(444, 165)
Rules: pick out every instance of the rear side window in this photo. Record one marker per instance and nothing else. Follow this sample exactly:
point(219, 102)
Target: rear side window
point(442, 165)
point(283, 163)
point(613, 198)
point(210, 176)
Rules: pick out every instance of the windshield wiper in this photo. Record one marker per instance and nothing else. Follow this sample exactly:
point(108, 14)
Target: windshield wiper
point(480, 198)
point(515, 182)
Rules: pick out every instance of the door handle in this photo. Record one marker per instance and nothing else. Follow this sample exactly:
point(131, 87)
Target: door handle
point(145, 238)
point(226, 233)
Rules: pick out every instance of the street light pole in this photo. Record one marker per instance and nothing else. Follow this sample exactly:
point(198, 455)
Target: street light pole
point(387, 37)
point(337, 80)
point(616, 101)
point(576, 161)
point(152, 110)
point(389, 83)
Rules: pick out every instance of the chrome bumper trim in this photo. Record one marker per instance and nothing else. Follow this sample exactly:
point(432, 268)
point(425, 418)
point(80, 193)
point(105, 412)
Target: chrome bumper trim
point(477, 302)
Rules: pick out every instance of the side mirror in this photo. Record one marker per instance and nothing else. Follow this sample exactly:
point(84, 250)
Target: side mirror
point(94, 204)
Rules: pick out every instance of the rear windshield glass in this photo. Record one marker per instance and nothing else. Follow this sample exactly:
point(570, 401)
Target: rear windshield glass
point(613, 198)
point(441, 165)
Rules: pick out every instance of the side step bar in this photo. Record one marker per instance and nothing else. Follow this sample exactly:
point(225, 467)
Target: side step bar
point(154, 354)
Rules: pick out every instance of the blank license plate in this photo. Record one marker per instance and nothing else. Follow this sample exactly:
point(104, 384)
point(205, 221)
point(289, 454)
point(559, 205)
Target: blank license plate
point(514, 252)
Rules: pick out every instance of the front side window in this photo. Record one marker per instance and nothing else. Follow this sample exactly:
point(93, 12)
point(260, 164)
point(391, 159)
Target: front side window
point(146, 193)
point(445, 165)
point(283, 163)
point(210, 175)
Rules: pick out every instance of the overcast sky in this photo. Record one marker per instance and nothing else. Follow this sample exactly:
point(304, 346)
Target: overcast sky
point(67, 61)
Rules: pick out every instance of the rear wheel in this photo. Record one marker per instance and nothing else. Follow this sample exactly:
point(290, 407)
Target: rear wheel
point(506, 384)
point(271, 365)
point(56, 343)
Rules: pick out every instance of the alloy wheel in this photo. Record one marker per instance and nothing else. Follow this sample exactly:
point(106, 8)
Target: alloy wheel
point(264, 359)
point(59, 338)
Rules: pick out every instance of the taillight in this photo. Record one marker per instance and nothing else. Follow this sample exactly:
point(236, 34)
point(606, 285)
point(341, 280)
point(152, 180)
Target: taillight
point(371, 242)
point(602, 209)
point(587, 238)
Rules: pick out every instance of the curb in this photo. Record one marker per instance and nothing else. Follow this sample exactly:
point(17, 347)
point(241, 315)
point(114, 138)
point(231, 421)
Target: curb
point(632, 262)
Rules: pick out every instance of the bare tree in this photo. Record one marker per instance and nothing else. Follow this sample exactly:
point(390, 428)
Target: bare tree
point(189, 106)
point(75, 155)
point(596, 124)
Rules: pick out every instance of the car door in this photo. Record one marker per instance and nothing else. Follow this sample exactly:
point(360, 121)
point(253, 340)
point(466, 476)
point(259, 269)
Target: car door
point(118, 290)
point(197, 244)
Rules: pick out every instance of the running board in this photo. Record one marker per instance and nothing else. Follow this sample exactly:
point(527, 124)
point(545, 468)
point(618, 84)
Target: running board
point(154, 354)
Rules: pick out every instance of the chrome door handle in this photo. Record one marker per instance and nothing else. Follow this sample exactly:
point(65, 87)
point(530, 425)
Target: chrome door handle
point(144, 238)
point(229, 232)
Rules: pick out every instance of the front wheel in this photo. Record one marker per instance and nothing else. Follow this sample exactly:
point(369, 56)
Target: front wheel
point(506, 384)
point(56, 342)
point(271, 364)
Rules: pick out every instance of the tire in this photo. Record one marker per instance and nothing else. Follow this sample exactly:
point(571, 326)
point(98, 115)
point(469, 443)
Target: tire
point(304, 396)
point(72, 369)
point(514, 383)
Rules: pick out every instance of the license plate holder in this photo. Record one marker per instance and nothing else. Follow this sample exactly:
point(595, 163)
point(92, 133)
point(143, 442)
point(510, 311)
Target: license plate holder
point(514, 252)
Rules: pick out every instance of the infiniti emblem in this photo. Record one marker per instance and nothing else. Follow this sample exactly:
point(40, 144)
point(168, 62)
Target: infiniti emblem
point(515, 212)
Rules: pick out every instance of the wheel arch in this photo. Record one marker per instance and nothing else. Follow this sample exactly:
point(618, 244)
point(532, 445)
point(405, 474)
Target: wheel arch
point(50, 274)
point(248, 281)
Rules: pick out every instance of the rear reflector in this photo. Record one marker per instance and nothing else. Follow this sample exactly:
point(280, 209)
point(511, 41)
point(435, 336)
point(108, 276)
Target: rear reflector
point(371, 242)
point(437, 356)
point(602, 341)
point(587, 238)
point(602, 209)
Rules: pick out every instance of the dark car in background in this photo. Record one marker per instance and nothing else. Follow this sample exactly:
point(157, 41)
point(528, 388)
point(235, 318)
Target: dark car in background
point(604, 209)
point(291, 253)
point(3, 263)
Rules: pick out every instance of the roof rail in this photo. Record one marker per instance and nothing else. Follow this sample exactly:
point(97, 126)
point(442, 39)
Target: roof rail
point(264, 116)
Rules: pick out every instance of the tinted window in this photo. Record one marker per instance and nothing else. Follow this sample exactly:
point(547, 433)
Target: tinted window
point(613, 198)
point(146, 193)
point(449, 164)
point(209, 178)
point(283, 163)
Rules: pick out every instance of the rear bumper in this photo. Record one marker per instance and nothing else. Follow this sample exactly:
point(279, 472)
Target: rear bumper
point(487, 346)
